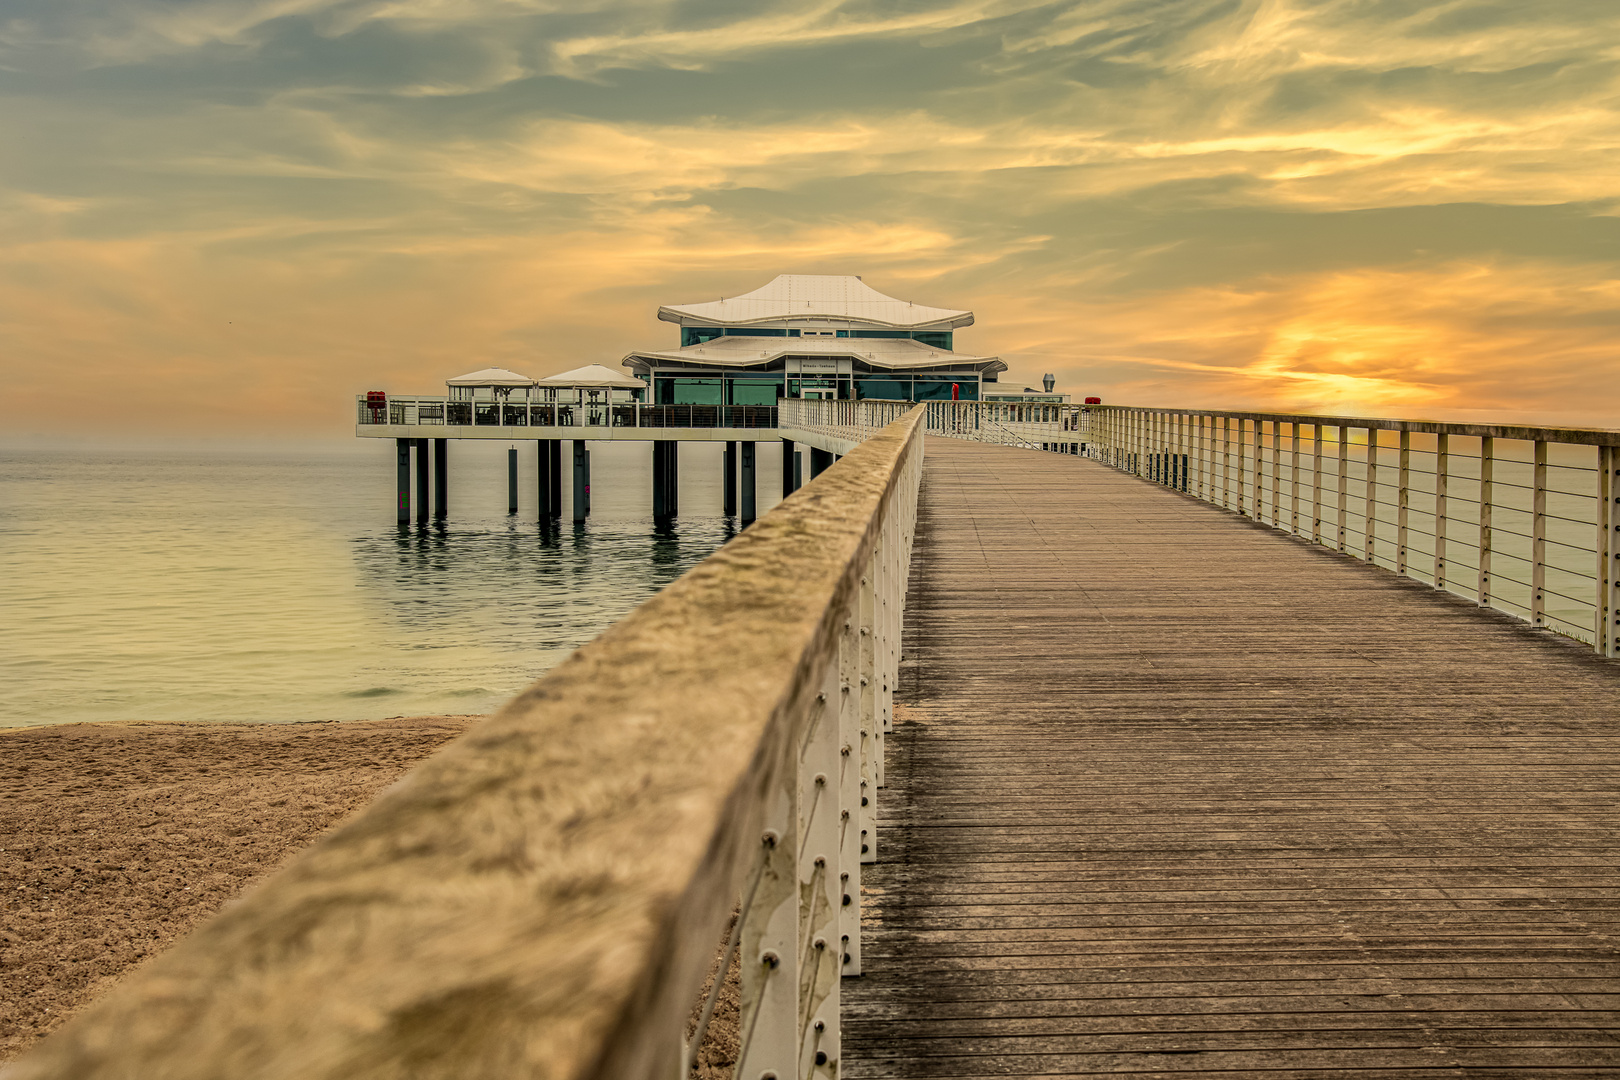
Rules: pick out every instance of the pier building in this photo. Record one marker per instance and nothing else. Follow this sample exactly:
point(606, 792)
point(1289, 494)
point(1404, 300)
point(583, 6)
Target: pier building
point(799, 337)
point(813, 336)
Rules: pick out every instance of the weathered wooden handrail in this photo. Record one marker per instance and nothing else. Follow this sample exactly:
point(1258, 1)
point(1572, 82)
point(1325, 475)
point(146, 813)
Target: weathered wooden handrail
point(543, 898)
point(1518, 518)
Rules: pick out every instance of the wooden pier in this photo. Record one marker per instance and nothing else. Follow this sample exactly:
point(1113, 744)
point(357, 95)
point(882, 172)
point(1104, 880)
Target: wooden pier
point(1174, 793)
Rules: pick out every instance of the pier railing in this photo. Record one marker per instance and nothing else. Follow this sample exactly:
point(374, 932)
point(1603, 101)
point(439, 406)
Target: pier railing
point(1040, 426)
point(1520, 519)
point(545, 897)
point(438, 413)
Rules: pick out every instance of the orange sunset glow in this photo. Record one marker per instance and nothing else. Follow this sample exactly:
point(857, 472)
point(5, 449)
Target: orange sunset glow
point(228, 216)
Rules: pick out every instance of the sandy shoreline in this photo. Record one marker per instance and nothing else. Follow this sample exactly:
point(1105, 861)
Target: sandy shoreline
point(117, 839)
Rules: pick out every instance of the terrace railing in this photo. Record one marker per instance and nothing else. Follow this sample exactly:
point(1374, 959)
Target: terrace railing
point(1034, 426)
point(1060, 428)
point(438, 413)
point(1520, 519)
point(545, 897)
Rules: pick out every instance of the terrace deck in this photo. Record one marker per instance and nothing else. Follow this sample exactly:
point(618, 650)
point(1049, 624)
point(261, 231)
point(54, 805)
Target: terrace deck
point(1173, 793)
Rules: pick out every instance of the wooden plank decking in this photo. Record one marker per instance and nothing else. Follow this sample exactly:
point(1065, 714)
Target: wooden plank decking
point(1172, 793)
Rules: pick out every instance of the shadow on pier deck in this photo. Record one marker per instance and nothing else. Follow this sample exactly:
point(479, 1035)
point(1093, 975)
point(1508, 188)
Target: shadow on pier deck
point(1174, 793)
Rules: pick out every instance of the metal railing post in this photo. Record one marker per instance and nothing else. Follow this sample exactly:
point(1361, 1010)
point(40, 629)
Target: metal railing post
point(853, 796)
point(1276, 473)
point(821, 891)
point(1442, 474)
point(1538, 536)
point(1403, 499)
point(1607, 606)
point(1487, 471)
point(1226, 463)
point(1293, 477)
point(871, 724)
point(1258, 506)
point(1344, 487)
point(769, 1028)
point(1316, 483)
point(1372, 494)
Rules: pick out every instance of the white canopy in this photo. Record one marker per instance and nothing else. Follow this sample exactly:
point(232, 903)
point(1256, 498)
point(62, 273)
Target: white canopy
point(593, 376)
point(491, 376)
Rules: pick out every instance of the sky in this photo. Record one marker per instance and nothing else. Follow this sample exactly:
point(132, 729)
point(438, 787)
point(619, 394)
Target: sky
point(229, 216)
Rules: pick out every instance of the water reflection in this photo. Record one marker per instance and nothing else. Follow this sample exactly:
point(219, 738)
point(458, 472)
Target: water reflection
point(275, 586)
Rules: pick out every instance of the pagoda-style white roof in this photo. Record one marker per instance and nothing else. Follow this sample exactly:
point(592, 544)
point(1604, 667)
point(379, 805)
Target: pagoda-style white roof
point(796, 298)
point(490, 376)
point(880, 353)
point(593, 376)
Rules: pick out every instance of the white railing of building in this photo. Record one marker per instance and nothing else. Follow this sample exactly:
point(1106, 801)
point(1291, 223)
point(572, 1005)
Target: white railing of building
point(437, 413)
point(1060, 428)
point(1520, 519)
point(545, 896)
point(852, 420)
point(1033, 426)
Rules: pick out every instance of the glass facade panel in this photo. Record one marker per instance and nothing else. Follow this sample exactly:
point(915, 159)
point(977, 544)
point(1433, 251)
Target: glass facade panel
point(940, 390)
point(886, 389)
point(697, 335)
point(755, 391)
point(932, 338)
point(691, 391)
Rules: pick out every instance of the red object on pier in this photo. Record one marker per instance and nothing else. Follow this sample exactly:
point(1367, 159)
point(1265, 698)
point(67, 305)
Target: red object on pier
point(376, 399)
point(956, 391)
point(1093, 401)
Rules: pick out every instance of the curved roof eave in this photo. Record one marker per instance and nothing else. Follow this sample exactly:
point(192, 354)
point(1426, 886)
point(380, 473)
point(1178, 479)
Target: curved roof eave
point(986, 364)
point(956, 320)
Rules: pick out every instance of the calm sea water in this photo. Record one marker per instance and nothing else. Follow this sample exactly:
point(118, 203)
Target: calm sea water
point(232, 584)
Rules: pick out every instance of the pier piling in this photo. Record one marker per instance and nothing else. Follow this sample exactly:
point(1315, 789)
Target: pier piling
point(441, 477)
point(403, 470)
point(582, 481)
point(728, 480)
point(543, 449)
point(554, 463)
point(666, 478)
point(747, 481)
point(820, 461)
point(421, 480)
point(511, 480)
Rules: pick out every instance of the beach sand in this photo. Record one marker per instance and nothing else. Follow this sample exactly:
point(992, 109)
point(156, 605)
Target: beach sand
point(117, 839)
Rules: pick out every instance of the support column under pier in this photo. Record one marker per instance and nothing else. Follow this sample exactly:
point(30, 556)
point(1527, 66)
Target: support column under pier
point(441, 477)
point(511, 480)
point(820, 461)
point(728, 480)
point(543, 449)
point(582, 481)
point(421, 479)
point(402, 450)
point(789, 481)
point(746, 481)
point(666, 479)
point(555, 465)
